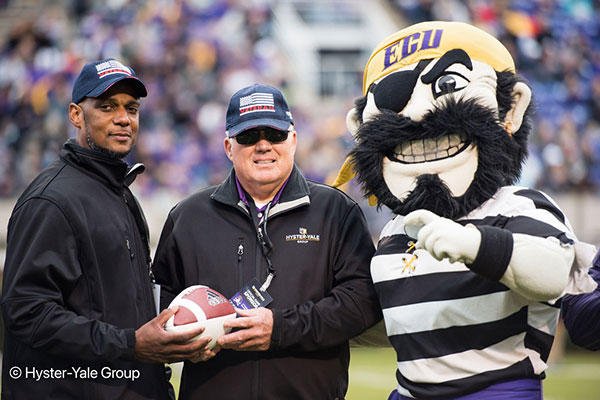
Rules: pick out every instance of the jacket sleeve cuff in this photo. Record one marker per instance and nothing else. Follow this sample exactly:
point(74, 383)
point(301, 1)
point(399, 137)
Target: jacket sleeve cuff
point(494, 252)
point(277, 333)
point(130, 351)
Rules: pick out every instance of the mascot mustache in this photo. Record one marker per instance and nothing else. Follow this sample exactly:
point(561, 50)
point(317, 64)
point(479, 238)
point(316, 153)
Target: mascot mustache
point(476, 124)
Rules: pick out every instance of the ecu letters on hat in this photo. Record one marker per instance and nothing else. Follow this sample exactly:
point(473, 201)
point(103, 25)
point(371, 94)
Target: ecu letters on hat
point(432, 40)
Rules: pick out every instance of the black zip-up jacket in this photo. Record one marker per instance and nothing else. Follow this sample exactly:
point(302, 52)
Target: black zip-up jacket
point(76, 285)
point(322, 291)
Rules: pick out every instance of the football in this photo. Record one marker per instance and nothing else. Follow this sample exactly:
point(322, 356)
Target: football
point(200, 305)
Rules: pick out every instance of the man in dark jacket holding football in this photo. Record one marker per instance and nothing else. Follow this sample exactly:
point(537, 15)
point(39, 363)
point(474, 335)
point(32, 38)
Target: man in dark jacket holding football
point(293, 254)
point(77, 291)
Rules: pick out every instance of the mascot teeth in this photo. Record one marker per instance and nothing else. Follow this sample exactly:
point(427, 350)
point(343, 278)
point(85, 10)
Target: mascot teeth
point(421, 150)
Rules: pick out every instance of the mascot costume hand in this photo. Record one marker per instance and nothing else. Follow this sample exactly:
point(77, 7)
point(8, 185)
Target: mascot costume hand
point(443, 238)
point(470, 270)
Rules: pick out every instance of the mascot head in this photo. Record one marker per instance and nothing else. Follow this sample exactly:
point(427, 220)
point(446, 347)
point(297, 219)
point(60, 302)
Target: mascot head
point(443, 122)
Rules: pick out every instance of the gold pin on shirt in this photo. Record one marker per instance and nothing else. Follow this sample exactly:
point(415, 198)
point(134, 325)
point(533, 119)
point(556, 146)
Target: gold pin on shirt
point(408, 264)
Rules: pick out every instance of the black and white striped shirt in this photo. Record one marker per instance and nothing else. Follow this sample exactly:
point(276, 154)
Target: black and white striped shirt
point(456, 331)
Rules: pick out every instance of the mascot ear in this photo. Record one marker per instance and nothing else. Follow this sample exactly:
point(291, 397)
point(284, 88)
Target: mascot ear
point(353, 121)
point(514, 117)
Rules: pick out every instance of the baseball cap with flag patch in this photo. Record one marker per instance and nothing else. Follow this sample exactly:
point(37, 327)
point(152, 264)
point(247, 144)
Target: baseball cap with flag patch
point(97, 77)
point(257, 105)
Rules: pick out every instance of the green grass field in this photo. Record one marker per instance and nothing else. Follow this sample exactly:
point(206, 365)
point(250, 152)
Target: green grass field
point(372, 376)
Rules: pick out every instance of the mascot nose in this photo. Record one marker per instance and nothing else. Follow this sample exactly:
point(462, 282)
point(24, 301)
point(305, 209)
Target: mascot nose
point(395, 90)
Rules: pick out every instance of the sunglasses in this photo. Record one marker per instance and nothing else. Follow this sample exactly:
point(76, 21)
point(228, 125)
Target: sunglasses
point(252, 136)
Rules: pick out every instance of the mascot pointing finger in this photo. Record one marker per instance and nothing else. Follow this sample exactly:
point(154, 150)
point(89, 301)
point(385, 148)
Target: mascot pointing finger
point(470, 271)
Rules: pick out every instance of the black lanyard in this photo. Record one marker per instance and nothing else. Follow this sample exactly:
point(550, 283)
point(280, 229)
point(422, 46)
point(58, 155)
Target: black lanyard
point(266, 246)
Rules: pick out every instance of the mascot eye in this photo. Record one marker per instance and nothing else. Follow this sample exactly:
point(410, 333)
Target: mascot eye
point(448, 83)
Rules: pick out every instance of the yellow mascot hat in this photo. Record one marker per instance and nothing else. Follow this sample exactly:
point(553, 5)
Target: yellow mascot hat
point(432, 40)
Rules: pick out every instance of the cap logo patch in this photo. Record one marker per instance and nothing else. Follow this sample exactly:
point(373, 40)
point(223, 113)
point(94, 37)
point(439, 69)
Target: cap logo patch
point(257, 102)
point(111, 67)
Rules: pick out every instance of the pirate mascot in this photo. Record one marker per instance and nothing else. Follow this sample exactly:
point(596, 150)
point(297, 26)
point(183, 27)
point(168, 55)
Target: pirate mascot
point(470, 270)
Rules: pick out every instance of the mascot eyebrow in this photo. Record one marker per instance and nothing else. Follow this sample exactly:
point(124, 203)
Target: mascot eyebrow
point(456, 56)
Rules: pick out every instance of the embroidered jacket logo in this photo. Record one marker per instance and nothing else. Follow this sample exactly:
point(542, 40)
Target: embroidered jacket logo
point(302, 237)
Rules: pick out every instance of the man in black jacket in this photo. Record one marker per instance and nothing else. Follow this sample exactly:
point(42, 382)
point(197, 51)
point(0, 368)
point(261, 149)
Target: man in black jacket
point(77, 292)
point(302, 248)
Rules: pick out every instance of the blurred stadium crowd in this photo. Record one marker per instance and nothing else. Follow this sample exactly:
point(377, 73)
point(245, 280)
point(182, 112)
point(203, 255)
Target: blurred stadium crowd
point(193, 54)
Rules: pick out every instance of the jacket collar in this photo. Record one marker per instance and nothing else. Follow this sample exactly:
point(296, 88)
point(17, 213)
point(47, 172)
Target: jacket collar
point(113, 171)
point(295, 193)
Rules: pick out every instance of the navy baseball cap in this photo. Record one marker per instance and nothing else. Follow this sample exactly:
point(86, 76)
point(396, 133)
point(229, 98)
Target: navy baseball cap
point(257, 105)
point(97, 77)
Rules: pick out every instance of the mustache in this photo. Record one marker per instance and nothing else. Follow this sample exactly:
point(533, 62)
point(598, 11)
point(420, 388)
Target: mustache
point(388, 129)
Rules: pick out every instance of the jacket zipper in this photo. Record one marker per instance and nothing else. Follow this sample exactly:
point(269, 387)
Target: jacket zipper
point(257, 379)
point(240, 253)
point(131, 255)
point(142, 284)
point(259, 261)
point(258, 273)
